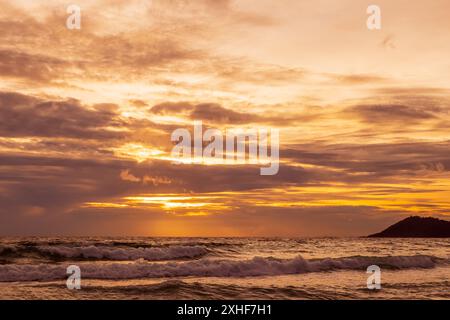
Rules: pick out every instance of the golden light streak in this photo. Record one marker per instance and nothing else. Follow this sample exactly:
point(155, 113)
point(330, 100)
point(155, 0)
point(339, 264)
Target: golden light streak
point(177, 204)
point(104, 205)
point(419, 197)
point(138, 152)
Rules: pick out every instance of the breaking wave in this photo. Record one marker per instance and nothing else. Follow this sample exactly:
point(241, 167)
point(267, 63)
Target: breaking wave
point(104, 253)
point(214, 268)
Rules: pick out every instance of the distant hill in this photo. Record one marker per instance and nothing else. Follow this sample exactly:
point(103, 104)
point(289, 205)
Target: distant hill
point(416, 227)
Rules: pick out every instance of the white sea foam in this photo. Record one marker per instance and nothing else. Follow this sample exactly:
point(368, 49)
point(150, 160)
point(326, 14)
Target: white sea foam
point(212, 268)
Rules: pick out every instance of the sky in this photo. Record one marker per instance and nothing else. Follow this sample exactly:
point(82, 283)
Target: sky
point(86, 116)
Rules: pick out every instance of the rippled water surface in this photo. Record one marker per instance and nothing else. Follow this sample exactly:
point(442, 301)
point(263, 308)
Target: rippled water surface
point(224, 268)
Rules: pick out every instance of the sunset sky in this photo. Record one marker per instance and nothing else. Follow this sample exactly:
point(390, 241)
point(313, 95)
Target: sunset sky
point(86, 116)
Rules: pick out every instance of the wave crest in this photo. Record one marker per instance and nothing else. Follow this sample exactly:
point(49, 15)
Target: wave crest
point(214, 268)
point(106, 253)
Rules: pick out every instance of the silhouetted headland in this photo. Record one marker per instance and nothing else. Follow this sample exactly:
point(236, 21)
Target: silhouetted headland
point(416, 227)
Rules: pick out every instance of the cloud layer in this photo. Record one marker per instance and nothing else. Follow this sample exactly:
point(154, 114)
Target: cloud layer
point(86, 117)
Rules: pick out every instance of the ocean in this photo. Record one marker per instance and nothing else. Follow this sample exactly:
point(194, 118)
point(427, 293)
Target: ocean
point(224, 268)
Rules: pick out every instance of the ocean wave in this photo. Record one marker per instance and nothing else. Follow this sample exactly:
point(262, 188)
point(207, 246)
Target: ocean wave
point(195, 290)
point(104, 253)
point(257, 266)
point(177, 289)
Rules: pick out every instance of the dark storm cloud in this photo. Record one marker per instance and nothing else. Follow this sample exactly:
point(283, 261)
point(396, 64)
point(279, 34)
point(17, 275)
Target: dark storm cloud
point(56, 184)
point(376, 161)
point(198, 178)
point(205, 111)
point(38, 193)
point(24, 116)
point(215, 113)
point(33, 67)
